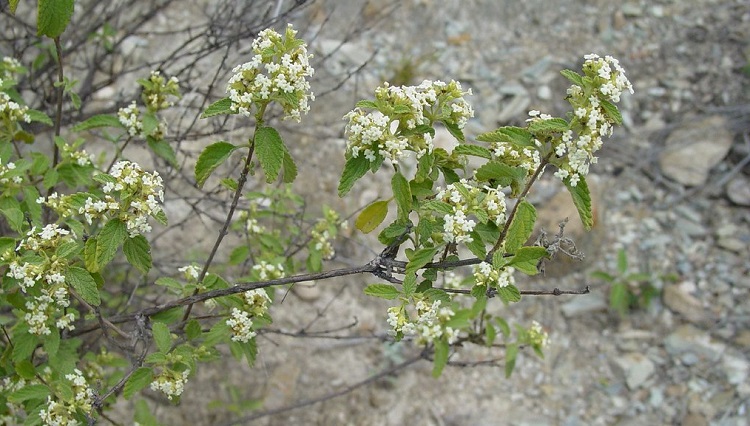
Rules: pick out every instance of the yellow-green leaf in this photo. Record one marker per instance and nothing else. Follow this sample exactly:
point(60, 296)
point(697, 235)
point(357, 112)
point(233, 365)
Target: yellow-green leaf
point(372, 216)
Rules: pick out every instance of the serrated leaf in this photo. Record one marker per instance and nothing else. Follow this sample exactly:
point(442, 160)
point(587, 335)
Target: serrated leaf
point(354, 169)
point(437, 294)
point(29, 392)
point(366, 104)
point(552, 125)
point(149, 122)
point(24, 343)
point(270, 150)
point(611, 111)
point(391, 232)
point(402, 194)
point(53, 16)
point(138, 252)
point(573, 76)
point(84, 284)
point(52, 343)
point(210, 159)
point(163, 149)
point(582, 201)
point(474, 150)
point(169, 283)
point(511, 351)
point(25, 369)
point(527, 258)
point(383, 291)
point(193, 329)
point(39, 117)
point(7, 243)
point(420, 258)
point(222, 106)
point(409, 284)
point(437, 206)
point(162, 336)
point(455, 131)
point(521, 228)
point(442, 350)
point(143, 415)
point(140, 378)
point(89, 255)
point(372, 216)
point(509, 294)
point(476, 245)
point(502, 173)
point(102, 120)
point(515, 135)
point(110, 238)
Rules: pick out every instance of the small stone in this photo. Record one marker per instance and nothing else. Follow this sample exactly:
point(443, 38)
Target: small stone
point(694, 149)
point(694, 419)
point(736, 369)
point(584, 304)
point(738, 190)
point(687, 339)
point(679, 300)
point(636, 369)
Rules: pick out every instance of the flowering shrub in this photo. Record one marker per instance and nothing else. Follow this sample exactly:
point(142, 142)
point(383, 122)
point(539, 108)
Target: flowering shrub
point(57, 259)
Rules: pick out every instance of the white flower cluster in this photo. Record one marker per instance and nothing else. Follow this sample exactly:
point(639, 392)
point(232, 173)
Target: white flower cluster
point(130, 118)
point(192, 272)
point(590, 119)
point(324, 232)
point(49, 305)
point(391, 131)
point(9, 67)
point(62, 413)
point(241, 321)
point(157, 89)
point(277, 72)
point(537, 336)
point(8, 174)
point(269, 271)
point(11, 112)
point(13, 409)
point(77, 155)
point(428, 324)
point(170, 382)
point(485, 274)
point(140, 196)
point(466, 199)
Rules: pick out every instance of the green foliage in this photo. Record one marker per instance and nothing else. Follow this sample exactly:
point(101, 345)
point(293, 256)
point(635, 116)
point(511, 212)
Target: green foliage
point(271, 152)
point(372, 216)
point(53, 16)
point(582, 201)
point(211, 158)
point(628, 290)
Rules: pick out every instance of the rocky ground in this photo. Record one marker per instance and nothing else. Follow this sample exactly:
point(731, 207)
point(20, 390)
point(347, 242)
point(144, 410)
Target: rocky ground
point(672, 189)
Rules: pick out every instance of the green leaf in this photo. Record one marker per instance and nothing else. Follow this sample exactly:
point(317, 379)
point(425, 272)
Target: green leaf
point(53, 16)
point(602, 276)
point(11, 209)
point(521, 228)
point(163, 149)
point(527, 258)
point(143, 415)
point(193, 329)
point(420, 258)
point(502, 173)
point(389, 234)
point(489, 334)
point(96, 121)
point(140, 378)
point(83, 283)
point(573, 76)
point(13, 5)
point(503, 325)
point(29, 392)
point(354, 169)
point(511, 351)
point(271, 151)
point(442, 351)
point(474, 150)
point(455, 131)
point(33, 209)
point(89, 254)
point(7, 243)
point(552, 125)
point(222, 106)
point(611, 111)
point(110, 238)
point(383, 291)
point(210, 159)
point(438, 206)
point(290, 168)
point(582, 201)
point(622, 261)
point(150, 123)
point(39, 117)
point(169, 283)
point(409, 285)
point(372, 216)
point(24, 343)
point(515, 135)
point(509, 294)
point(52, 343)
point(367, 104)
point(619, 298)
point(162, 336)
point(476, 245)
point(138, 252)
point(437, 294)
point(25, 369)
point(402, 193)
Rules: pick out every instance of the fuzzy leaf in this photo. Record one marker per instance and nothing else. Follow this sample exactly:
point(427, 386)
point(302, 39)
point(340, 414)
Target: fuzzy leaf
point(502, 173)
point(290, 168)
point(521, 228)
point(354, 169)
point(372, 216)
point(573, 76)
point(511, 351)
point(476, 151)
point(210, 159)
point(271, 152)
point(162, 336)
point(83, 283)
point(110, 238)
point(402, 193)
point(140, 378)
point(163, 149)
point(455, 131)
point(611, 110)
point(420, 258)
point(96, 121)
point(509, 294)
point(53, 16)
point(222, 106)
point(582, 201)
point(383, 291)
point(138, 252)
point(515, 135)
point(29, 392)
point(39, 117)
point(553, 125)
point(527, 258)
point(442, 350)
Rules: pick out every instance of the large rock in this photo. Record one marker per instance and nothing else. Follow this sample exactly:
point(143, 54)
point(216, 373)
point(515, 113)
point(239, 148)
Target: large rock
point(694, 149)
